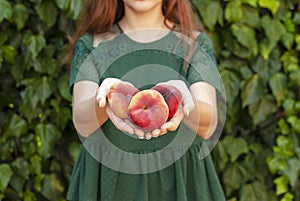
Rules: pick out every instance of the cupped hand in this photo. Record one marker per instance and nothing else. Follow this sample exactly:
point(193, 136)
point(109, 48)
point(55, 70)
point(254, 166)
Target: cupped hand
point(124, 124)
point(184, 109)
point(105, 87)
point(187, 98)
point(170, 125)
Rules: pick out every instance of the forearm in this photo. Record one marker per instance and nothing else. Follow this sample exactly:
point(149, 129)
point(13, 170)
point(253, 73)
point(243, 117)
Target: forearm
point(202, 119)
point(88, 116)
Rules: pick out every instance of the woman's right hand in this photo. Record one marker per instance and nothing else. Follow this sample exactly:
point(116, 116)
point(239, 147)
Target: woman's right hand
point(122, 124)
point(104, 88)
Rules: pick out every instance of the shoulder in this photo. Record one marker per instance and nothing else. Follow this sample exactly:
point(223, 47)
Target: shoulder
point(203, 39)
point(85, 41)
point(206, 44)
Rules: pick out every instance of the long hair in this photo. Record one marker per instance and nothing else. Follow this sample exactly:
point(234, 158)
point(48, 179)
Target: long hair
point(98, 16)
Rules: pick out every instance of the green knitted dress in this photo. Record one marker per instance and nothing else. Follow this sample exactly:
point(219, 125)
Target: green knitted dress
point(179, 175)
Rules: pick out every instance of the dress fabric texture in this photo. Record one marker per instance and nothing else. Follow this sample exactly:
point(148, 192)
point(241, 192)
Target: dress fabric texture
point(187, 179)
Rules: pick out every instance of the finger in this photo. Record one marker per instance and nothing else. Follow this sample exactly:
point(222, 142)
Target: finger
point(156, 132)
point(170, 126)
point(118, 122)
point(137, 131)
point(163, 132)
point(104, 89)
point(148, 136)
point(101, 95)
point(175, 121)
point(140, 133)
point(123, 126)
point(188, 104)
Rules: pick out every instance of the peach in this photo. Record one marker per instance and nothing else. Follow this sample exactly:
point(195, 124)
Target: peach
point(171, 95)
point(119, 98)
point(148, 110)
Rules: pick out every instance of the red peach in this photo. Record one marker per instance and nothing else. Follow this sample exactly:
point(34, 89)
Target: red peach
point(148, 110)
point(172, 96)
point(119, 98)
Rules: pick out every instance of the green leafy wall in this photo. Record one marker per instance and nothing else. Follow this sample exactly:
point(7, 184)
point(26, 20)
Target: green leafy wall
point(257, 44)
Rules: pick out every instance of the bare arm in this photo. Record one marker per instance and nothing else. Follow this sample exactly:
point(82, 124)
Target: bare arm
point(87, 115)
point(203, 118)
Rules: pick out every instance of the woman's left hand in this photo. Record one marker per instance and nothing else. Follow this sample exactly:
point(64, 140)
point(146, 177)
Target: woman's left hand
point(186, 106)
point(170, 125)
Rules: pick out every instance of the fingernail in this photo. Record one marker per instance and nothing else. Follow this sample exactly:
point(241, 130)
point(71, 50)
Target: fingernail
point(141, 137)
point(101, 103)
point(155, 135)
point(187, 112)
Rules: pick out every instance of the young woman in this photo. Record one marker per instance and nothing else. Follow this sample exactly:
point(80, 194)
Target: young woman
point(178, 173)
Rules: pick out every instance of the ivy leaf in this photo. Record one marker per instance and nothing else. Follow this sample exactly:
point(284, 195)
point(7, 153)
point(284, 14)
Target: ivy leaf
point(238, 146)
point(272, 5)
point(253, 192)
point(281, 184)
point(291, 170)
point(295, 123)
point(273, 28)
point(275, 164)
point(17, 182)
point(47, 11)
point(283, 127)
point(21, 166)
point(210, 12)
point(34, 43)
point(29, 196)
point(75, 8)
point(288, 22)
point(288, 40)
point(63, 87)
point(231, 84)
point(252, 3)
point(5, 175)
point(74, 149)
point(234, 177)
point(63, 4)
point(290, 61)
point(46, 65)
point(262, 109)
point(64, 116)
point(278, 84)
point(6, 10)
point(29, 97)
point(252, 90)
point(233, 11)
point(36, 164)
point(20, 15)
point(295, 78)
point(289, 106)
point(287, 197)
point(246, 36)
point(52, 187)
point(37, 90)
point(297, 40)
point(3, 38)
point(47, 135)
point(9, 53)
point(16, 127)
point(1, 58)
point(250, 17)
point(44, 88)
point(267, 68)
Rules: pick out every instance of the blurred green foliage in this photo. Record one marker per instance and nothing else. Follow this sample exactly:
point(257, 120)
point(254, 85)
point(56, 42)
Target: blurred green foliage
point(257, 44)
